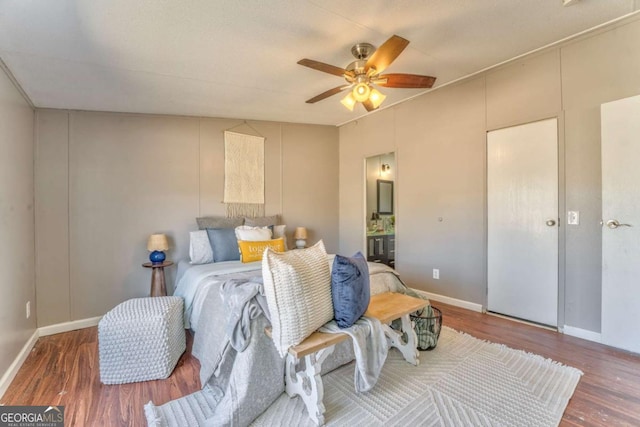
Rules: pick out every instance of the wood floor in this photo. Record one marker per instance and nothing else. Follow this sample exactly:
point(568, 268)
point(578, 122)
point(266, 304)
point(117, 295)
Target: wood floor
point(63, 370)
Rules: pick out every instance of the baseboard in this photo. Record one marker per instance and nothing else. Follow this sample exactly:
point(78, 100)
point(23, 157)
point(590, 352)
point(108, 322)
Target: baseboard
point(58, 328)
point(451, 301)
point(11, 373)
point(583, 333)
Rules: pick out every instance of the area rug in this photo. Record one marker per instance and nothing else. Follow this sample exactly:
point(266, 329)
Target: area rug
point(464, 381)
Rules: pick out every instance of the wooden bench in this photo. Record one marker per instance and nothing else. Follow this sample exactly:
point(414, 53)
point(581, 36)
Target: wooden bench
point(305, 379)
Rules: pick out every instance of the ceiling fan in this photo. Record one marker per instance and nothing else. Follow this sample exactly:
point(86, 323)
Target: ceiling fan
point(363, 74)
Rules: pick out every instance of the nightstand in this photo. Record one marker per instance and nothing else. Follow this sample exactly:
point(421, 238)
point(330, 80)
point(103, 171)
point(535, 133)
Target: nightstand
point(158, 284)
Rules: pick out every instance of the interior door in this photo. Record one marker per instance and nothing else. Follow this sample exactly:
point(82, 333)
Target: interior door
point(522, 201)
point(621, 228)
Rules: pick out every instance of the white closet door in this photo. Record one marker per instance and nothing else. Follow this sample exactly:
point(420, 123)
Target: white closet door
point(522, 191)
point(621, 239)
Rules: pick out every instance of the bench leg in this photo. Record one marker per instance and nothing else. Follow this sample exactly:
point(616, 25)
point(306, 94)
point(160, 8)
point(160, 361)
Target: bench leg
point(307, 382)
point(408, 348)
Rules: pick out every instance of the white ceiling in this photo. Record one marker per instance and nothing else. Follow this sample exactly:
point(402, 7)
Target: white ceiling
point(237, 58)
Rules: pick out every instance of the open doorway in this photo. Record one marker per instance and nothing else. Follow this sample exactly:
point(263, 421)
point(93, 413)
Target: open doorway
point(380, 218)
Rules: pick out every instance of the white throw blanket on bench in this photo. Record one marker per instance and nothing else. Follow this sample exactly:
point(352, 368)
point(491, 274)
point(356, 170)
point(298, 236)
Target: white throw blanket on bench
point(370, 348)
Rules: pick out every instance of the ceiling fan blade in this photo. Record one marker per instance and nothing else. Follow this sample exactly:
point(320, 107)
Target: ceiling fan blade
point(326, 94)
point(414, 81)
point(387, 53)
point(325, 68)
point(369, 105)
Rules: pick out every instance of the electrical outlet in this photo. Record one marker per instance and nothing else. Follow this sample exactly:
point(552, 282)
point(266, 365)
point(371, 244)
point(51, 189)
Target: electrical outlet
point(28, 308)
point(436, 273)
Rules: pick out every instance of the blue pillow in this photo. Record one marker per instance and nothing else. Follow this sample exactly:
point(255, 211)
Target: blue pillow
point(224, 244)
point(350, 289)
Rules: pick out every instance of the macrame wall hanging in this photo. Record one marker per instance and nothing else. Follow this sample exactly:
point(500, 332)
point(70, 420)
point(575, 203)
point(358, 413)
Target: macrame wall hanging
point(243, 174)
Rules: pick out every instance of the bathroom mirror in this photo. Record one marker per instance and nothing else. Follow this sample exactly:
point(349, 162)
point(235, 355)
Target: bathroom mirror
point(385, 196)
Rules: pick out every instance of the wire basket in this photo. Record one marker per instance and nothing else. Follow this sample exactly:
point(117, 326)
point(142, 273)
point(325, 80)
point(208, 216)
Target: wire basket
point(427, 327)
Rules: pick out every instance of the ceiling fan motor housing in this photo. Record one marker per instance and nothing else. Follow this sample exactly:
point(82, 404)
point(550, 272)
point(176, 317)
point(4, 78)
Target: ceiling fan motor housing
point(358, 73)
point(362, 50)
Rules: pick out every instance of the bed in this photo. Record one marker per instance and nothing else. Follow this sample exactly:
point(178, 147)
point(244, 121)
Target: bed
point(242, 385)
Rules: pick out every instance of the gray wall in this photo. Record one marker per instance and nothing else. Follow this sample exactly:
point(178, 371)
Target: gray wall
point(440, 142)
point(105, 182)
point(16, 222)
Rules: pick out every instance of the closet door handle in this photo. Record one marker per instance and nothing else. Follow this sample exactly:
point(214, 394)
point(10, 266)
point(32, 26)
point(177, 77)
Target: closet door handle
point(614, 223)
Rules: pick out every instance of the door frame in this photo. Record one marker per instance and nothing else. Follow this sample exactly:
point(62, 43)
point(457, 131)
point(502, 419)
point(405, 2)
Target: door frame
point(562, 223)
point(364, 194)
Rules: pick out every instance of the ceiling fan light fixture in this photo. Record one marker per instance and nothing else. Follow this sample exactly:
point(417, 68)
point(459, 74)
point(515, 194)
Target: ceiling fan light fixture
point(376, 98)
point(349, 101)
point(361, 92)
point(364, 74)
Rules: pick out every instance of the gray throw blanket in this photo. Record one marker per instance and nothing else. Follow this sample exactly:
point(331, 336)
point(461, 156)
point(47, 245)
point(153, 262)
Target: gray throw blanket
point(237, 384)
point(249, 380)
point(370, 348)
point(243, 300)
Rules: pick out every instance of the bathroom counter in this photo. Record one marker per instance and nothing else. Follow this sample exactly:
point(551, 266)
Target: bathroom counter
point(381, 233)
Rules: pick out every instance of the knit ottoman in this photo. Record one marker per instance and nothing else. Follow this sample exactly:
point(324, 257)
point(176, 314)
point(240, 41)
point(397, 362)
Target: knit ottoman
point(141, 339)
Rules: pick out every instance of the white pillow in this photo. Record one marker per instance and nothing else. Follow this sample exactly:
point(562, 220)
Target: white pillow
point(297, 285)
point(279, 231)
point(253, 234)
point(200, 250)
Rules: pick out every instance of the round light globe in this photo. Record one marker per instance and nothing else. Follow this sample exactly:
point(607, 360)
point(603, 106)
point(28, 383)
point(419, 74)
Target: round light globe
point(361, 92)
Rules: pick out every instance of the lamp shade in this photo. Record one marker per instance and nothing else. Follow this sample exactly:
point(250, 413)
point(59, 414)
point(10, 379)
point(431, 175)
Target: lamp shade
point(349, 101)
point(376, 98)
point(300, 233)
point(157, 242)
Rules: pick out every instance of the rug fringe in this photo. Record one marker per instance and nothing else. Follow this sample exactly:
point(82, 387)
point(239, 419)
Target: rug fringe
point(152, 413)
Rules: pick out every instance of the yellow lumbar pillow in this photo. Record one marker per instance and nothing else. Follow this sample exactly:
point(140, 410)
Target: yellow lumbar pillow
point(252, 251)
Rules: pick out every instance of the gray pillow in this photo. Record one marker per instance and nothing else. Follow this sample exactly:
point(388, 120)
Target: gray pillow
point(218, 222)
point(224, 244)
point(263, 221)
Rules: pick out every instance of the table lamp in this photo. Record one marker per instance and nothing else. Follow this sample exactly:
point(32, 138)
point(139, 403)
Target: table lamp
point(301, 237)
point(157, 244)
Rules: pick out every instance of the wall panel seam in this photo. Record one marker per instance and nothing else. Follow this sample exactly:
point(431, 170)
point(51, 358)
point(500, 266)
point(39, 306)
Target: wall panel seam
point(281, 174)
point(69, 293)
point(199, 166)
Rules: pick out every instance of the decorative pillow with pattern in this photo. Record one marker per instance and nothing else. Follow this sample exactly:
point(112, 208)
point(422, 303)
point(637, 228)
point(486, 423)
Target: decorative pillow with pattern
point(297, 285)
point(200, 250)
point(251, 251)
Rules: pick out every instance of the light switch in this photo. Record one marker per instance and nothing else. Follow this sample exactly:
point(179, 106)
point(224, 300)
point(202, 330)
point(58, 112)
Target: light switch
point(573, 217)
